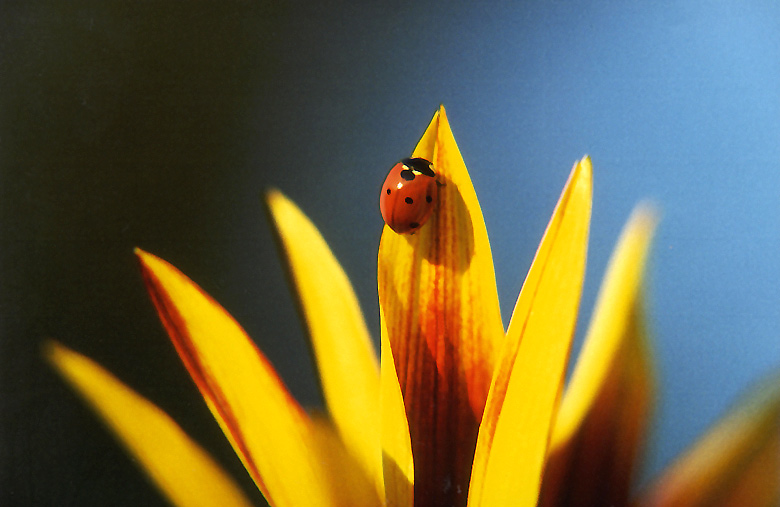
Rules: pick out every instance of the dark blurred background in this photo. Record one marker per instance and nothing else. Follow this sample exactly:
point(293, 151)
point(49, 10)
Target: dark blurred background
point(160, 124)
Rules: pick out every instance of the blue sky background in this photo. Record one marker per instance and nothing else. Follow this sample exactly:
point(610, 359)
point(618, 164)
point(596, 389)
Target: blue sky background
point(160, 125)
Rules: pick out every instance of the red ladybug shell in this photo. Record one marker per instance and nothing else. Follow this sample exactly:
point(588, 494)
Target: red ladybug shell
point(408, 195)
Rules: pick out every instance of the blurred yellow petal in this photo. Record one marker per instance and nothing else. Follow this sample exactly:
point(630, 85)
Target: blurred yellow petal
point(759, 484)
point(595, 467)
point(517, 423)
point(606, 407)
point(179, 467)
point(607, 331)
point(275, 439)
point(396, 445)
point(346, 360)
point(737, 463)
point(437, 293)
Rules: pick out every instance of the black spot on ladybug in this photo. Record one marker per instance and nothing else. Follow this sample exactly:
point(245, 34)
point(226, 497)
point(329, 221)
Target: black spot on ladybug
point(414, 225)
point(388, 192)
point(428, 198)
point(420, 165)
point(407, 175)
point(409, 200)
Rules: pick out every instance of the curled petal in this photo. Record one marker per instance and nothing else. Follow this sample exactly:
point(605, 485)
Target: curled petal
point(180, 468)
point(276, 440)
point(438, 297)
point(528, 379)
point(735, 464)
point(346, 360)
point(606, 407)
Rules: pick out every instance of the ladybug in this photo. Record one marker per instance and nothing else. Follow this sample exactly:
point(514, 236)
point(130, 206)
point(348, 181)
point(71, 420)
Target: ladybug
point(408, 195)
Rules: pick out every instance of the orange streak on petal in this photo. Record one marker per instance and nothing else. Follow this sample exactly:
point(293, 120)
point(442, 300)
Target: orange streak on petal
point(595, 466)
point(273, 436)
point(606, 408)
point(517, 422)
point(437, 294)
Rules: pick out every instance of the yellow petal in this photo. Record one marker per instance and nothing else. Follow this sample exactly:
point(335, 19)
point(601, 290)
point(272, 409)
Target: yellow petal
point(606, 407)
point(179, 467)
point(758, 484)
point(343, 472)
point(396, 446)
point(611, 316)
point(345, 356)
point(275, 439)
point(437, 294)
point(737, 463)
point(518, 417)
point(595, 467)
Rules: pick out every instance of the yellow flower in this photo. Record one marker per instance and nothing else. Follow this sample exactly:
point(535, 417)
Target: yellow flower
point(457, 412)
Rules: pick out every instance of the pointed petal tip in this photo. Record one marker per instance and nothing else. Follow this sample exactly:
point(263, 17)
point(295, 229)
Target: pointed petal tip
point(644, 220)
point(145, 258)
point(580, 182)
point(59, 356)
point(150, 264)
point(51, 351)
point(646, 215)
point(585, 167)
point(272, 195)
point(278, 204)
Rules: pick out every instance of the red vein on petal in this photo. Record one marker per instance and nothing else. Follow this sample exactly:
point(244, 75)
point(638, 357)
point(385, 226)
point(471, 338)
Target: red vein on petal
point(442, 354)
point(175, 326)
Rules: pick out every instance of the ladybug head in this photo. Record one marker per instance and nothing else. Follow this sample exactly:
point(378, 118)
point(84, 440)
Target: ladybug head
point(418, 165)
